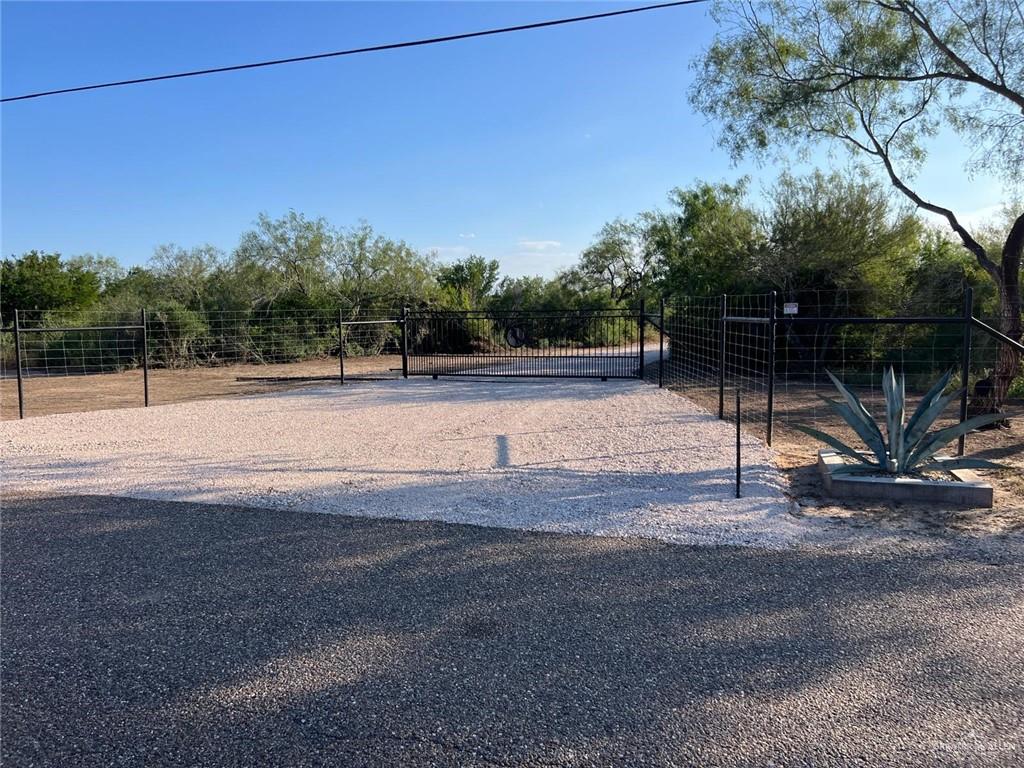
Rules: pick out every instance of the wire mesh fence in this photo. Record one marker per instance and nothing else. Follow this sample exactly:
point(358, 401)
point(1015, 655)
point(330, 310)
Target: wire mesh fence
point(774, 350)
point(87, 360)
point(778, 354)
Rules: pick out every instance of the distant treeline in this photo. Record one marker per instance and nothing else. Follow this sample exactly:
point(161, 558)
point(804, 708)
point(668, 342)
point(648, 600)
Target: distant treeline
point(836, 241)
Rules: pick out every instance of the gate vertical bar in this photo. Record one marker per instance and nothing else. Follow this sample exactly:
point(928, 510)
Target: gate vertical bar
point(17, 354)
point(405, 342)
point(661, 346)
point(738, 456)
point(145, 361)
point(965, 363)
point(341, 348)
point(721, 358)
point(770, 419)
point(641, 340)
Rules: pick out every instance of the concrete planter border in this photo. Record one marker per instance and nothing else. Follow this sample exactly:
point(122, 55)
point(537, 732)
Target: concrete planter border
point(963, 489)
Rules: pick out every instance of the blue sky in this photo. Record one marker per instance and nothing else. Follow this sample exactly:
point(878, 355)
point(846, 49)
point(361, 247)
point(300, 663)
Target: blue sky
point(516, 147)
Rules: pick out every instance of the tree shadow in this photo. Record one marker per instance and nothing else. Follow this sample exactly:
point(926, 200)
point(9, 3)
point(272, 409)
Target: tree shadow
point(158, 632)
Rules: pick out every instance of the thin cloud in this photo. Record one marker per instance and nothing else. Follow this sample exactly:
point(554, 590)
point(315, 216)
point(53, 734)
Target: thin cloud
point(468, 236)
point(539, 245)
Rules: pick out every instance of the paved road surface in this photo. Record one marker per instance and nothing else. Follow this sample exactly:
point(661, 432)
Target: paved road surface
point(154, 633)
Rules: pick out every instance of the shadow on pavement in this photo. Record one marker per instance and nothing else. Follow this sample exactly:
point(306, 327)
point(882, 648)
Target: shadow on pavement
point(159, 633)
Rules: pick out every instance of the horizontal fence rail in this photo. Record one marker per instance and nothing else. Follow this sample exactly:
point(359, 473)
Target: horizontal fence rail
point(604, 344)
point(174, 354)
point(773, 351)
point(777, 353)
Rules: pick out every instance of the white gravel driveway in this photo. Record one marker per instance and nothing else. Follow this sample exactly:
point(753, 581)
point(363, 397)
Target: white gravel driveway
point(609, 458)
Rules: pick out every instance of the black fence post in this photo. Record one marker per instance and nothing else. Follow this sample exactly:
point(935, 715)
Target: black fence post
point(770, 420)
point(738, 456)
point(721, 358)
point(17, 355)
point(965, 363)
point(341, 348)
point(661, 345)
point(643, 318)
point(145, 361)
point(405, 343)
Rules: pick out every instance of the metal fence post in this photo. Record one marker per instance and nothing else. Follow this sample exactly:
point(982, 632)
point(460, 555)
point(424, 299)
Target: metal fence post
point(770, 420)
point(721, 358)
point(641, 324)
point(17, 354)
point(661, 345)
point(405, 342)
point(341, 348)
point(738, 456)
point(145, 361)
point(965, 364)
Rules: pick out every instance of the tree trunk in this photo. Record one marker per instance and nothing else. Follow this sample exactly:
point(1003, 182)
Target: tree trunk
point(990, 398)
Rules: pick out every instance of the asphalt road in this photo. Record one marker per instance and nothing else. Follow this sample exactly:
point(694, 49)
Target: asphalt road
point(154, 633)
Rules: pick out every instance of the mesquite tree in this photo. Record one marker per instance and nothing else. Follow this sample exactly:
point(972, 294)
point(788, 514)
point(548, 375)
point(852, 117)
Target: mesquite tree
point(881, 77)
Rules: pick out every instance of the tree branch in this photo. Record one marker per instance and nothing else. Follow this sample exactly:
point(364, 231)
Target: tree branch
point(909, 9)
point(965, 237)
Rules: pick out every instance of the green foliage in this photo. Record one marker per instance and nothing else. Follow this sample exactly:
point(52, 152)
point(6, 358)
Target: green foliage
point(907, 445)
point(467, 284)
point(880, 78)
point(107, 269)
point(137, 287)
point(39, 280)
point(179, 336)
point(709, 241)
point(829, 232)
point(624, 259)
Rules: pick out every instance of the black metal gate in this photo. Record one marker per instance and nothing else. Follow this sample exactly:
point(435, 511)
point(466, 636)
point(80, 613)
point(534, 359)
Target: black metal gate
point(566, 343)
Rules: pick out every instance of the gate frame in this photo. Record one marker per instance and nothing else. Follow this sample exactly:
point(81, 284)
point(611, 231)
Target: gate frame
point(399, 321)
point(626, 315)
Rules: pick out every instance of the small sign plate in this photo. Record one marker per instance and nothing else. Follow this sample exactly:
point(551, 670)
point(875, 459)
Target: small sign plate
point(790, 308)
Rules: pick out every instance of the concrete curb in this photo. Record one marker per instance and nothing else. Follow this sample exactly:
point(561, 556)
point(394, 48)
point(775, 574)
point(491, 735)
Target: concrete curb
point(966, 489)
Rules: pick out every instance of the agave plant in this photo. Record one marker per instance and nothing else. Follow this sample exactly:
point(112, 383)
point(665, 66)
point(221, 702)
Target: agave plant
point(910, 446)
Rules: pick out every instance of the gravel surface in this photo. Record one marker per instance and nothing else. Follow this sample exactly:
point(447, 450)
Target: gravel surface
point(153, 633)
point(616, 458)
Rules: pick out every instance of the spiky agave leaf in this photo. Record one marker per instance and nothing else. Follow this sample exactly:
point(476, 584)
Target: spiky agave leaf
point(937, 440)
point(926, 404)
point(856, 415)
point(835, 442)
point(916, 433)
point(870, 437)
point(961, 463)
point(895, 395)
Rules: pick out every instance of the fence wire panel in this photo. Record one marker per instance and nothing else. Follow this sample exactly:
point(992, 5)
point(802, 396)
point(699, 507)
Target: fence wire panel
point(562, 344)
point(718, 345)
point(859, 353)
point(73, 361)
point(371, 348)
point(192, 355)
point(746, 358)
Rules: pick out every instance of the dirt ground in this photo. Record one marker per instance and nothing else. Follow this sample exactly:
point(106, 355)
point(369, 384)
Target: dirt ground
point(71, 394)
point(796, 454)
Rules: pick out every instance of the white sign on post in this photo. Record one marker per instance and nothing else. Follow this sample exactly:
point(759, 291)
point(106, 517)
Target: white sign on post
point(790, 308)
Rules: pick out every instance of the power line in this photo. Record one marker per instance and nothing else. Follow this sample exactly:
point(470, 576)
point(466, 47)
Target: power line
point(353, 51)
